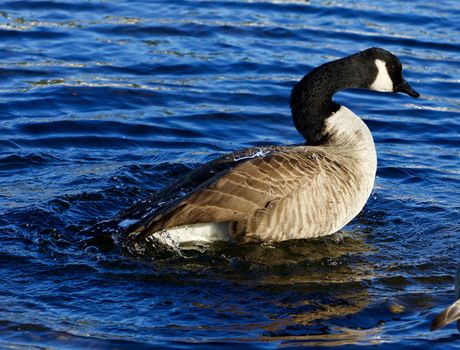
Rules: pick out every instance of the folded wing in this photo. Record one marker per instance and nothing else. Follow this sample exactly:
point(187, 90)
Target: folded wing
point(251, 191)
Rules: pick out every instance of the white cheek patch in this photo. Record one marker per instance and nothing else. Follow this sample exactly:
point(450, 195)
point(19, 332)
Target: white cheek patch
point(383, 81)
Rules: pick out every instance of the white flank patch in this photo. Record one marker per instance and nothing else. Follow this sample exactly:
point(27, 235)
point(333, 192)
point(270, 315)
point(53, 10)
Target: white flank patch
point(195, 233)
point(383, 81)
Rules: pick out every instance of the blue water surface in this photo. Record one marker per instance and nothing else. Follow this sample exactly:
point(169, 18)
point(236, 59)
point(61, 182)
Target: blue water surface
point(104, 102)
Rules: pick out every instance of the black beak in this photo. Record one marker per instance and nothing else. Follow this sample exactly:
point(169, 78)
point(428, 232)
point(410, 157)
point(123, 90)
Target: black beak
point(406, 88)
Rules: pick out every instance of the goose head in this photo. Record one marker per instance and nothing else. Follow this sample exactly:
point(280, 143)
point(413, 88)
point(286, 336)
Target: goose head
point(387, 72)
point(311, 98)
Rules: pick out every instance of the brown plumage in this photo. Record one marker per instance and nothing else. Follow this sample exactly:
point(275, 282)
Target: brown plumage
point(261, 195)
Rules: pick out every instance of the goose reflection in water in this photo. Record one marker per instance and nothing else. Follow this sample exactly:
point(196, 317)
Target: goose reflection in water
point(308, 284)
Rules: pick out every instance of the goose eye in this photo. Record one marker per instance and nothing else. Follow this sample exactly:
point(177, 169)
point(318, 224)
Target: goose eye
point(391, 67)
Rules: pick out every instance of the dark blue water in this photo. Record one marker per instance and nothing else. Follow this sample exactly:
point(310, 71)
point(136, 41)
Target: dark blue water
point(104, 102)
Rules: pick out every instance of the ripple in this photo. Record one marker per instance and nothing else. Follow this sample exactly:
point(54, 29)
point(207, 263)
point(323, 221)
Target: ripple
point(23, 32)
point(91, 127)
point(51, 5)
point(32, 160)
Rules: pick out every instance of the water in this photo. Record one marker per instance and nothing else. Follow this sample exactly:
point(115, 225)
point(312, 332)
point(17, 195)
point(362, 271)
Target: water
point(105, 102)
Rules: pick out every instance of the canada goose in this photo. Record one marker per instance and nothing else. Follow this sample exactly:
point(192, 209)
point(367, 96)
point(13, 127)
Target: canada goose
point(452, 313)
point(276, 193)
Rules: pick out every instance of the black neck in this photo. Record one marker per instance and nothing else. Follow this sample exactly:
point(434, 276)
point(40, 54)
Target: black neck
point(311, 98)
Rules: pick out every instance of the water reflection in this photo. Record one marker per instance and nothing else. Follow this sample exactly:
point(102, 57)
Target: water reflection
point(309, 283)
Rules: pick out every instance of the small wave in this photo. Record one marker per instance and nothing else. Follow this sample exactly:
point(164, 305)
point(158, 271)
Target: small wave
point(52, 5)
point(30, 160)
